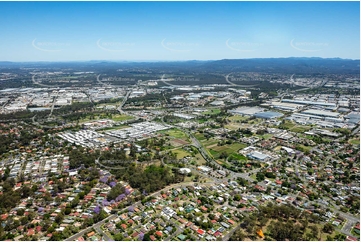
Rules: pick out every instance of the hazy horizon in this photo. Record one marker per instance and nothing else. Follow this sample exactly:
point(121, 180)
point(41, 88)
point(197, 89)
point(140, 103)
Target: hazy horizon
point(64, 61)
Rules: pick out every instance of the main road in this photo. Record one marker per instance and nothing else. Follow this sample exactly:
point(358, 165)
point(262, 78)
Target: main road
point(233, 84)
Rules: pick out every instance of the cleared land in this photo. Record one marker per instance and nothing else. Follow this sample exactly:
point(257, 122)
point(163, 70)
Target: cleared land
point(175, 133)
point(229, 149)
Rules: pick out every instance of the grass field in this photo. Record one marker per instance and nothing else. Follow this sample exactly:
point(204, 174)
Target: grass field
point(229, 149)
point(235, 126)
point(115, 117)
point(176, 133)
point(181, 153)
point(305, 148)
point(209, 142)
point(354, 141)
point(238, 118)
point(235, 156)
point(212, 111)
point(203, 120)
point(199, 136)
point(300, 129)
point(287, 125)
point(265, 136)
point(119, 117)
point(110, 103)
point(200, 160)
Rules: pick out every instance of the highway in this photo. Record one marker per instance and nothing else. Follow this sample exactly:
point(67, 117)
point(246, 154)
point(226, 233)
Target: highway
point(53, 104)
point(102, 83)
point(123, 102)
point(233, 84)
point(40, 84)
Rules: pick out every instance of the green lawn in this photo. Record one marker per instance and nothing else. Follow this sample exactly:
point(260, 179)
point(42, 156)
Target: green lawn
point(212, 111)
point(176, 133)
point(238, 118)
point(200, 160)
point(354, 141)
point(209, 142)
point(203, 120)
point(181, 153)
point(265, 136)
point(229, 149)
point(199, 136)
point(287, 125)
point(304, 148)
point(119, 117)
point(236, 156)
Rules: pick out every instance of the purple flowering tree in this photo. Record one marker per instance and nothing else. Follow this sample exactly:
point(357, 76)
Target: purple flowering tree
point(112, 184)
point(40, 209)
point(145, 193)
point(131, 209)
point(120, 197)
point(127, 191)
point(104, 179)
point(97, 209)
point(141, 236)
point(105, 203)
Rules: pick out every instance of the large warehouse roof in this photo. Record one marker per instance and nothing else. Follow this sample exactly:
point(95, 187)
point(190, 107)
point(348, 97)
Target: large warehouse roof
point(321, 113)
point(268, 115)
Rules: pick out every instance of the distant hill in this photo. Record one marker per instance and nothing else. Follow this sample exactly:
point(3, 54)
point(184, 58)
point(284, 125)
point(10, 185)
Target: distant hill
point(287, 65)
point(295, 65)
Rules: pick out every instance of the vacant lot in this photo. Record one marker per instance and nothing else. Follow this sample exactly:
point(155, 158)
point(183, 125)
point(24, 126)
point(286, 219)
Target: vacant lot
point(178, 142)
point(120, 117)
point(181, 153)
point(175, 133)
point(238, 118)
point(300, 129)
point(229, 149)
point(209, 142)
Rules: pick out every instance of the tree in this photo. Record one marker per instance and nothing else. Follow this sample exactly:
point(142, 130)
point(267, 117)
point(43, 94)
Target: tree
point(146, 237)
point(314, 231)
point(20, 212)
point(75, 202)
point(59, 218)
point(67, 211)
point(118, 237)
point(260, 176)
point(238, 236)
point(328, 228)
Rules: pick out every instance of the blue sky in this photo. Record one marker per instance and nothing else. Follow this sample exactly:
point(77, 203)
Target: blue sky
point(67, 31)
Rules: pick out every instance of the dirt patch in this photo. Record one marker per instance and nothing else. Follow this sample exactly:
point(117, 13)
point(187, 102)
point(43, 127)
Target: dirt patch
point(211, 146)
point(178, 142)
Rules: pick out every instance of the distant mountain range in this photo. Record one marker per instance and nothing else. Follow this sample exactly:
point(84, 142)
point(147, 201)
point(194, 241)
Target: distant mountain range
point(297, 65)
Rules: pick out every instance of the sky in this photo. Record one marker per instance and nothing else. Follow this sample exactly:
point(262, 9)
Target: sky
point(152, 31)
